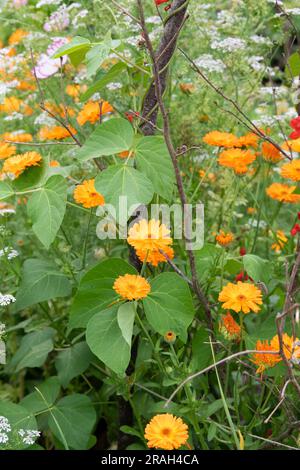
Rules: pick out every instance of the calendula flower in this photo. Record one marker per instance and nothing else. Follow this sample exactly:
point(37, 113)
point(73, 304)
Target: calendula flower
point(167, 432)
point(249, 140)
point(293, 145)
point(17, 36)
point(87, 195)
point(73, 90)
point(221, 139)
point(10, 105)
point(54, 163)
point(241, 297)
point(170, 337)
point(132, 287)
point(283, 193)
point(205, 175)
point(223, 238)
point(251, 210)
point(229, 328)
point(150, 235)
point(55, 133)
point(236, 159)
point(17, 136)
point(91, 111)
point(264, 360)
point(155, 256)
point(291, 170)
point(281, 240)
point(6, 150)
point(291, 348)
point(125, 154)
point(19, 163)
point(270, 153)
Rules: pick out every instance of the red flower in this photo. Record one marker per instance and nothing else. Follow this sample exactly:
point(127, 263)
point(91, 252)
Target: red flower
point(130, 116)
point(295, 230)
point(298, 215)
point(243, 251)
point(159, 2)
point(295, 124)
point(242, 276)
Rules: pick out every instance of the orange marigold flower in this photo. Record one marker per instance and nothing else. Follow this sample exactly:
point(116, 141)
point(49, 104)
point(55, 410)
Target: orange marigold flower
point(19, 163)
point(73, 90)
point(54, 163)
point(291, 170)
point(270, 153)
point(87, 195)
point(249, 140)
point(281, 239)
point(283, 193)
point(223, 238)
point(150, 235)
point(241, 297)
point(155, 256)
point(91, 111)
point(10, 105)
point(229, 328)
point(211, 176)
point(17, 136)
point(55, 133)
point(167, 432)
point(170, 337)
point(132, 287)
point(236, 159)
point(251, 210)
point(187, 88)
point(25, 86)
point(125, 154)
point(290, 347)
point(6, 150)
point(265, 360)
point(221, 139)
point(17, 36)
point(293, 145)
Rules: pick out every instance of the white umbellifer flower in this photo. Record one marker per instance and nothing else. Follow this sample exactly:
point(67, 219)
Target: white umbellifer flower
point(255, 62)
point(209, 63)
point(14, 117)
point(3, 438)
point(82, 14)
point(9, 253)
point(260, 40)
point(4, 424)
point(6, 300)
point(114, 86)
point(2, 331)
point(41, 3)
point(7, 211)
point(229, 44)
point(44, 120)
point(74, 6)
point(226, 18)
point(153, 20)
point(29, 436)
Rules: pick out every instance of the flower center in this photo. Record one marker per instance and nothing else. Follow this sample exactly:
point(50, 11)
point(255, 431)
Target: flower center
point(241, 297)
point(166, 431)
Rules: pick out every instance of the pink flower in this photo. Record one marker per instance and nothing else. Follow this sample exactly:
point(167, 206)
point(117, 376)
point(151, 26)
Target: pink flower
point(58, 21)
point(19, 3)
point(46, 66)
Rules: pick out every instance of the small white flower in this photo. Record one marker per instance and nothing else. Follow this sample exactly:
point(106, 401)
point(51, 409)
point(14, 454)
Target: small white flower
point(29, 436)
point(209, 63)
point(293, 11)
point(4, 424)
point(9, 253)
point(229, 44)
point(6, 300)
point(255, 63)
point(3, 438)
point(260, 40)
point(114, 86)
point(153, 20)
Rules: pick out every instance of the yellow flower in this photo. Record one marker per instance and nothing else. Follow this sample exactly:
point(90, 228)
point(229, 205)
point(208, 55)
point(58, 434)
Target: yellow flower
point(291, 170)
point(281, 239)
point(17, 36)
point(229, 328)
point(55, 133)
point(221, 139)
point(293, 145)
point(17, 137)
point(270, 153)
point(150, 235)
point(73, 90)
point(19, 163)
point(265, 360)
point(289, 346)
point(248, 140)
point(166, 431)
point(241, 297)
point(236, 159)
point(87, 195)
point(6, 150)
point(283, 193)
point(155, 256)
point(132, 287)
point(223, 238)
point(91, 111)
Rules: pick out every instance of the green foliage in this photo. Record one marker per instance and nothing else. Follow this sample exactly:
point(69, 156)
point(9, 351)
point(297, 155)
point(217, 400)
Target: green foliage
point(41, 280)
point(72, 362)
